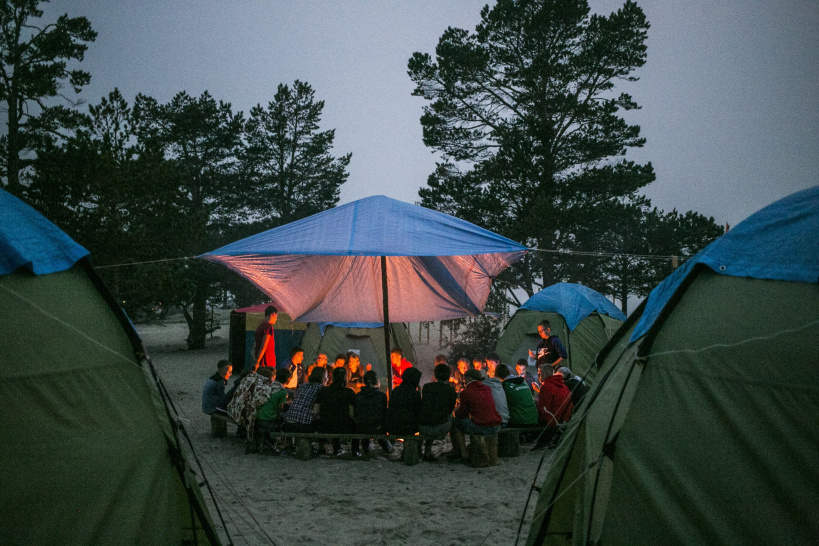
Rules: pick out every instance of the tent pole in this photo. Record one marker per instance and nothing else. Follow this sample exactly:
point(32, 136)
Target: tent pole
point(386, 320)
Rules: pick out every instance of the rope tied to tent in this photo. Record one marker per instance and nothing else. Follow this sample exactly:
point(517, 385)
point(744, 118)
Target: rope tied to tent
point(120, 356)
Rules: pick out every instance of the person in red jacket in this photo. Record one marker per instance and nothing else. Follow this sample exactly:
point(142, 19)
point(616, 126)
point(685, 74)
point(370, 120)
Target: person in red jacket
point(475, 414)
point(554, 405)
point(399, 365)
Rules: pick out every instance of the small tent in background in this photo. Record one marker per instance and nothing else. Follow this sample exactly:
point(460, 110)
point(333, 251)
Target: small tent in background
point(90, 452)
point(243, 323)
point(702, 425)
point(582, 318)
point(366, 338)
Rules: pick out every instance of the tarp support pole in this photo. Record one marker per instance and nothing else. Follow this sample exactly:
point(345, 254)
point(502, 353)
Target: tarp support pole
point(386, 320)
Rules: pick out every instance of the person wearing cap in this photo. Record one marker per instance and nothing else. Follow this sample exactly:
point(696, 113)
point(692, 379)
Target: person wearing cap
point(475, 414)
point(575, 384)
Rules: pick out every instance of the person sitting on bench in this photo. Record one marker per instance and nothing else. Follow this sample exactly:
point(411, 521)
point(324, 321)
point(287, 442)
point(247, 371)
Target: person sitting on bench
point(475, 414)
point(371, 413)
point(335, 408)
point(438, 399)
point(214, 398)
point(269, 415)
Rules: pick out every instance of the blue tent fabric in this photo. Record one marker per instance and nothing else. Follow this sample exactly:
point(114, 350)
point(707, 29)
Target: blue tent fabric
point(779, 242)
point(374, 226)
point(327, 267)
point(573, 301)
point(323, 325)
point(28, 239)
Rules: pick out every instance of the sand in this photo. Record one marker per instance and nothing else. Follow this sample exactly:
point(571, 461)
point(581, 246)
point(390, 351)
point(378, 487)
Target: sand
point(279, 499)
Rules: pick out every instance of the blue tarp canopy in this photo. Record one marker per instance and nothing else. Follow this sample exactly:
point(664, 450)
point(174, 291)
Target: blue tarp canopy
point(779, 242)
point(28, 240)
point(327, 267)
point(574, 301)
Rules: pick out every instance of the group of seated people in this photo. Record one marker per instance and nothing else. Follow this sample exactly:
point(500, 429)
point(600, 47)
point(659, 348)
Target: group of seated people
point(477, 398)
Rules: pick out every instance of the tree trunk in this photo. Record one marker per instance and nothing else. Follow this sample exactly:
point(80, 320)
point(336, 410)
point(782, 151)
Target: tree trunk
point(197, 327)
point(624, 285)
point(13, 149)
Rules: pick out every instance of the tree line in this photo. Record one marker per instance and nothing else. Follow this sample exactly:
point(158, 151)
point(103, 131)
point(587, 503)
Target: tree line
point(148, 182)
point(526, 116)
point(523, 113)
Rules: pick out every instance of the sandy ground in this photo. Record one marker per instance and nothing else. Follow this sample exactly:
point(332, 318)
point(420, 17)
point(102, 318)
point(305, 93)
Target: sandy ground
point(267, 499)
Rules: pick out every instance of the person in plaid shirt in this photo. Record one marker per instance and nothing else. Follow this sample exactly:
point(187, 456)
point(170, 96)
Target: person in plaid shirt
point(299, 416)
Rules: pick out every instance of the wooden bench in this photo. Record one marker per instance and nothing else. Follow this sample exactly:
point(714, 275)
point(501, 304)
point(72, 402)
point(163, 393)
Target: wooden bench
point(304, 442)
point(509, 439)
point(219, 423)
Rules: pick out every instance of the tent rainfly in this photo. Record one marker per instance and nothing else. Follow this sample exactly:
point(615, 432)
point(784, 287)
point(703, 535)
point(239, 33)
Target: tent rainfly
point(90, 453)
point(582, 318)
point(373, 260)
point(702, 425)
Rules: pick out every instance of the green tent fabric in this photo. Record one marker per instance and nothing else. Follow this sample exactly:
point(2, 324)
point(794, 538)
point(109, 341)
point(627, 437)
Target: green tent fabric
point(87, 441)
point(702, 425)
point(90, 453)
point(368, 341)
point(704, 432)
point(582, 344)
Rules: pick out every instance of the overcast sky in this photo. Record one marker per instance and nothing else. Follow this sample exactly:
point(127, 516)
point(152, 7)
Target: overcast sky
point(729, 92)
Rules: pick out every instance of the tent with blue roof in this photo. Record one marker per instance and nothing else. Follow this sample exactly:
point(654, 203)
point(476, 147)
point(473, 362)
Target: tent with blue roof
point(91, 453)
point(582, 318)
point(373, 260)
point(702, 425)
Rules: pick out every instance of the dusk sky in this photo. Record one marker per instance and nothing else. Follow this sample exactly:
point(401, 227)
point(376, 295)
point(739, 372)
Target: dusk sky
point(729, 94)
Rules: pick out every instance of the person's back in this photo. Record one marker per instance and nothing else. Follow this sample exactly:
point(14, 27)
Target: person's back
point(405, 404)
point(299, 416)
point(336, 404)
point(576, 386)
point(371, 413)
point(499, 396)
point(519, 401)
point(478, 404)
point(254, 390)
point(371, 408)
point(554, 400)
point(438, 400)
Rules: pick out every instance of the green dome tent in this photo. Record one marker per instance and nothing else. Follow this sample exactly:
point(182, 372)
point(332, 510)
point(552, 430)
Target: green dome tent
point(366, 338)
point(90, 452)
point(330, 338)
point(582, 318)
point(703, 426)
